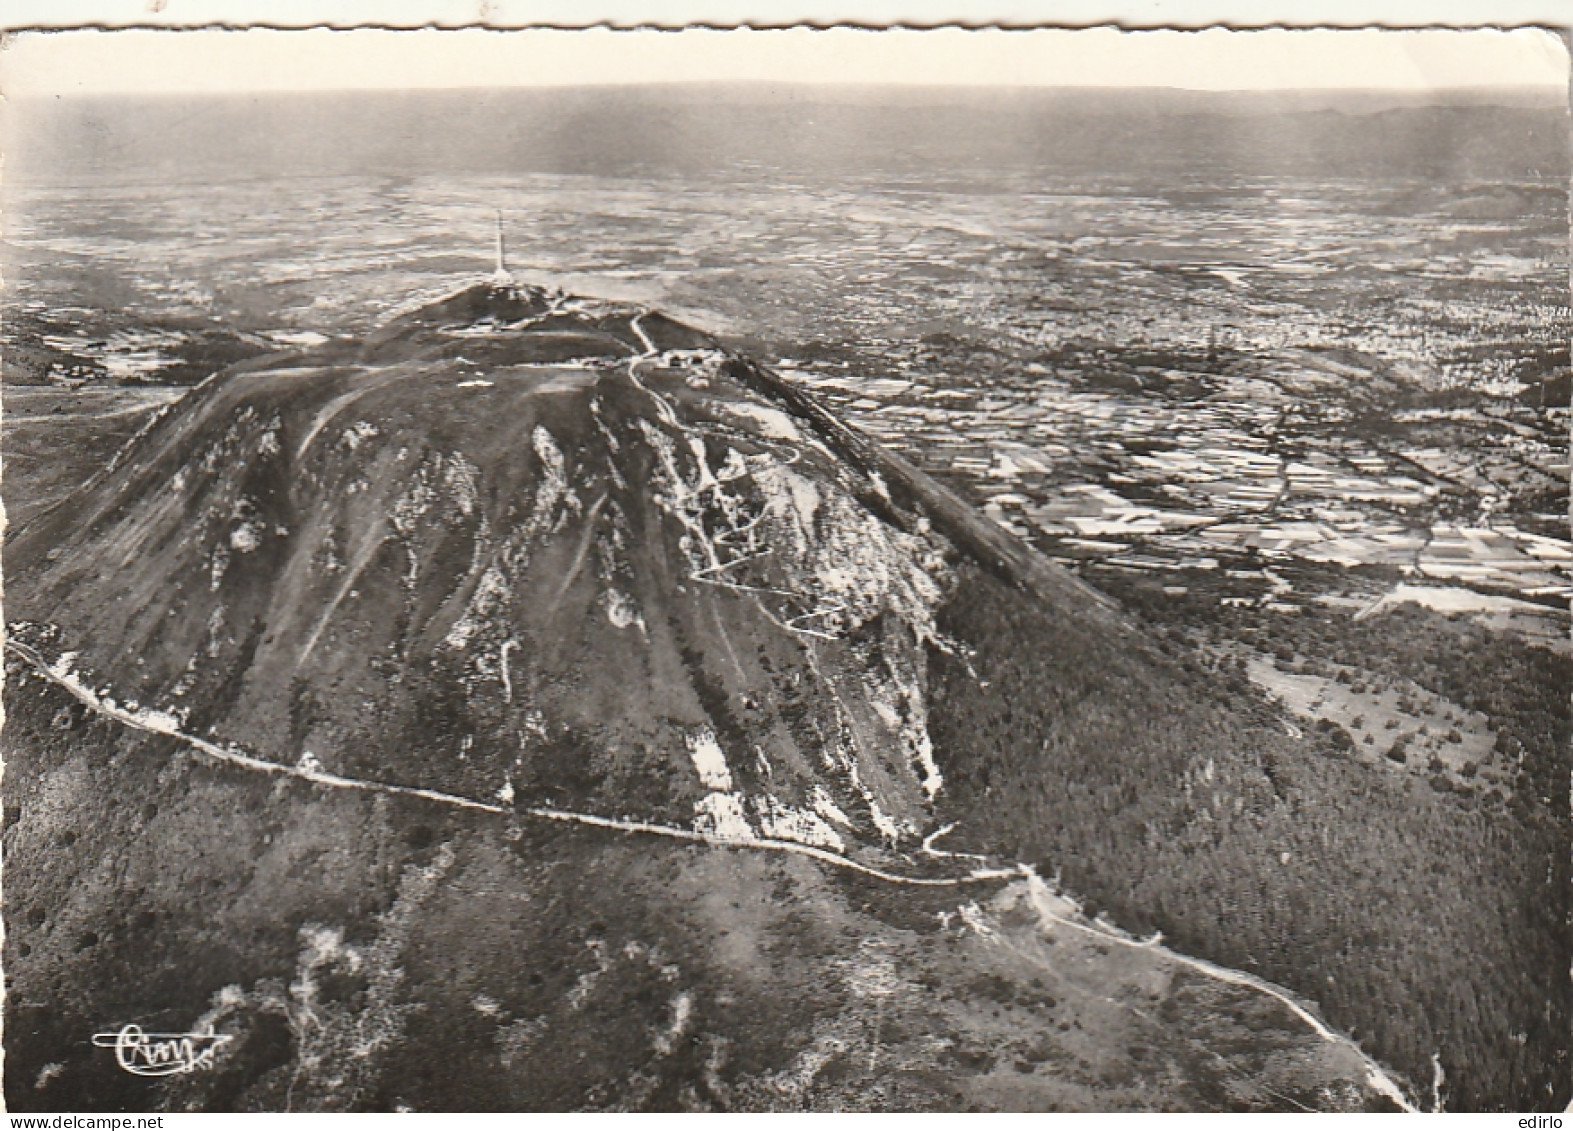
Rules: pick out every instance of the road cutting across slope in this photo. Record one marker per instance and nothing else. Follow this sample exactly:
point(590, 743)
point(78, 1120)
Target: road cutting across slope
point(1042, 897)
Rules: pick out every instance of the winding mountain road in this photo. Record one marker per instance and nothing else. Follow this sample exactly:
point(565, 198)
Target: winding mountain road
point(1043, 899)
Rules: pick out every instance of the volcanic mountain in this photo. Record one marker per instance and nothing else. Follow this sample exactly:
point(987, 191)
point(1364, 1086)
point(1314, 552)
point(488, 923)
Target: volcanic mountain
point(536, 705)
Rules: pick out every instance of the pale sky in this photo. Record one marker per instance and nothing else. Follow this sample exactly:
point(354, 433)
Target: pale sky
point(40, 64)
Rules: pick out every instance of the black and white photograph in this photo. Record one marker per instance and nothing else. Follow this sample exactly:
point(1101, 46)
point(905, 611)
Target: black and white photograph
point(786, 570)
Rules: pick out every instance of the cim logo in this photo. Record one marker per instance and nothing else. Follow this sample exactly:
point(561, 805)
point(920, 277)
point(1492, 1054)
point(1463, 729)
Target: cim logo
point(161, 1054)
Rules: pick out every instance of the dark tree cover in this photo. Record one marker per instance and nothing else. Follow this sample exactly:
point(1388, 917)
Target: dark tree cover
point(1422, 922)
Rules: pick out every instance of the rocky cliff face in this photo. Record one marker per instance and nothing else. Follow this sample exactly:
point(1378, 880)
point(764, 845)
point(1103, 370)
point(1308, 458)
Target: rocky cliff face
point(530, 555)
point(536, 705)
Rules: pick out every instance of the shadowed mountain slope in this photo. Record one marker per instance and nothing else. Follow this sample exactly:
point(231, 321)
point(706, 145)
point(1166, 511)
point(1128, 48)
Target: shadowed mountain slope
point(538, 706)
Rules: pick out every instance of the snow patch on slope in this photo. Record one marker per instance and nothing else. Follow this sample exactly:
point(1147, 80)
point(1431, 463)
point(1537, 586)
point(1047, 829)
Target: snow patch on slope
point(771, 423)
point(357, 434)
point(826, 807)
point(721, 815)
point(621, 610)
point(148, 718)
point(246, 537)
point(709, 760)
point(489, 594)
point(785, 822)
point(818, 564)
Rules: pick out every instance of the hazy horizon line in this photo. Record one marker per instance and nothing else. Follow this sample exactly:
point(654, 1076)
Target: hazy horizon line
point(1407, 93)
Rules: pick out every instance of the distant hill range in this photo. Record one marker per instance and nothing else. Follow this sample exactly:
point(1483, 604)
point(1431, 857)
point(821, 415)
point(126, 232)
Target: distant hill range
point(691, 129)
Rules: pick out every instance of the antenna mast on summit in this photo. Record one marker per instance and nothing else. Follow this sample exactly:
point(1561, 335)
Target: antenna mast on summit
point(501, 276)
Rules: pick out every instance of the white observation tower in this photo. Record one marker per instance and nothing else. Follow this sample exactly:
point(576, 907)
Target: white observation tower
point(501, 277)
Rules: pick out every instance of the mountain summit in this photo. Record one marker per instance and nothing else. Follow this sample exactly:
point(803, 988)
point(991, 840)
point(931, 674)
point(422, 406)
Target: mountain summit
point(546, 549)
point(536, 705)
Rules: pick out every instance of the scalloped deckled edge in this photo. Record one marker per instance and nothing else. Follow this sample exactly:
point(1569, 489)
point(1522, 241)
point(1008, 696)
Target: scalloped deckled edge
point(721, 15)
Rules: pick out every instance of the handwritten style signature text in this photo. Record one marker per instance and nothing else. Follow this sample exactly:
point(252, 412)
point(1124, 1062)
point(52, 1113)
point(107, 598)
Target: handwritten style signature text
point(161, 1054)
